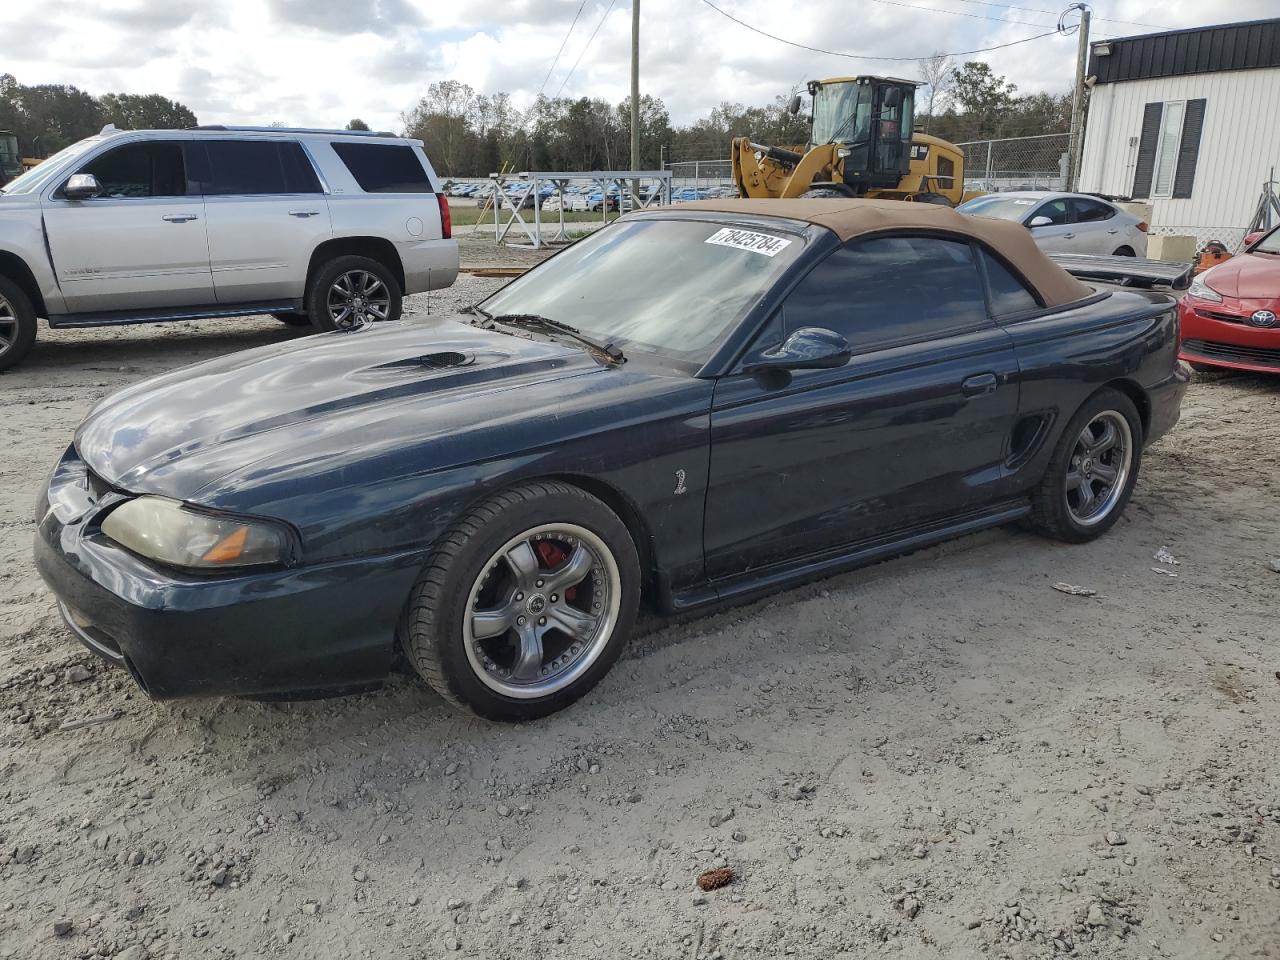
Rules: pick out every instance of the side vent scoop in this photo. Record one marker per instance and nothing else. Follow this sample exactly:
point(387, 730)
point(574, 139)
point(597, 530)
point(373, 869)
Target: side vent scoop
point(430, 361)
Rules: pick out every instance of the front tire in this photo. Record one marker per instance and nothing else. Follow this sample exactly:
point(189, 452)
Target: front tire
point(1124, 252)
point(348, 292)
point(17, 324)
point(821, 193)
point(1094, 467)
point(526, 604)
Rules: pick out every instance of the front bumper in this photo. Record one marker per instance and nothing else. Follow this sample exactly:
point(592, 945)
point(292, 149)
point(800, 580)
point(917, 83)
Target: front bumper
point(1218, 335)
point(316, 628)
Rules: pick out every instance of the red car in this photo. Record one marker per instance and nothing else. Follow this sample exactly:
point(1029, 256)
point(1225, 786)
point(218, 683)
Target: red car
point(1231, 313)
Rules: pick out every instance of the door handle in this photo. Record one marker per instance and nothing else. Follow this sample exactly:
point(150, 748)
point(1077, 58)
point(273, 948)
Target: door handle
point(1113, 231)
point(304, 213)
point(1068, 236)
point(179, 217)
point(978, 384)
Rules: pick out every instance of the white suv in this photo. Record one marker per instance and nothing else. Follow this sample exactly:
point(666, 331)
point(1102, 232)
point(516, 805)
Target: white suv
point(330, 228)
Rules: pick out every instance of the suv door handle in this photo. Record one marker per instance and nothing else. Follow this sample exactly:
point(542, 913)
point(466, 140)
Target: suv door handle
point(1067, 236)
point(304, 213)
point(978, 384)
point(179, 217)
point(1113, 231)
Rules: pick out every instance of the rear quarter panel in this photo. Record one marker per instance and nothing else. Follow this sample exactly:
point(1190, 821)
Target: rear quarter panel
point(1122, 337)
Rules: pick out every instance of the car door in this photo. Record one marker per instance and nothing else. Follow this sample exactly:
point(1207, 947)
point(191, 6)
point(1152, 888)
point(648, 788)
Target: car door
point(141, 243)
point(267, 212)
point(1097, 230)
point(1058, 234)
point(914, 427)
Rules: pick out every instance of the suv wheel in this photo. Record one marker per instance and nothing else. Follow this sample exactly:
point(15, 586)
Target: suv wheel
point(526, 604)
point(1092, 472)
point(17, 324)
point(348, 292)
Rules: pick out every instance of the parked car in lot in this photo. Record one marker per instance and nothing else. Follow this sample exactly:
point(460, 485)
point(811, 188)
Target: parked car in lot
point(813, 385)
point(1067, 222)
point(1231, 314)
point(327, 228)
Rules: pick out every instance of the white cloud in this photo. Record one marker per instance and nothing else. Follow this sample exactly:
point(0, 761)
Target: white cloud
point(322, 62)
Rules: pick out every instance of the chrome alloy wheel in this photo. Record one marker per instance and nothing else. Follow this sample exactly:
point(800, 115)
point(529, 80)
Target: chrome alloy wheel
point(1099, 468)
point(8, 325)
point(542, 610)
point(357, 296)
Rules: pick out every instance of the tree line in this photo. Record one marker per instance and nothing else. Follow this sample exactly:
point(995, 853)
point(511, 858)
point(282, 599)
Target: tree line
point(474, 134)
point(49, 116)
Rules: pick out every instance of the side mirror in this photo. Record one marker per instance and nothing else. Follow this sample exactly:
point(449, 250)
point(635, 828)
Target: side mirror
point(809, 348)
point(82, 186)
point(893, 97)
point(1040, 222)
point(1252, 238)
point(794, 106)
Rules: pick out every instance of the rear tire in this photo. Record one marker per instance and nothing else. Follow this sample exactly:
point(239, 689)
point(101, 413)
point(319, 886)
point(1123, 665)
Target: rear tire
point(1124, 252)
point(17, 324)
point(823, 192)
point(347, 292)
point(1092, 472)
point(934, 198)
point(483, 625)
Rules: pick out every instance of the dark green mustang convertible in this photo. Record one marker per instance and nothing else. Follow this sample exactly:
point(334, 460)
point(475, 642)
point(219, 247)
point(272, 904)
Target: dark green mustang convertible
point(689, 406)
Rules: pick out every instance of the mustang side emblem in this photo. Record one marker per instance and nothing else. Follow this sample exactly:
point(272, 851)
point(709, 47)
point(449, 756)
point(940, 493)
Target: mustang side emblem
point(680, 487)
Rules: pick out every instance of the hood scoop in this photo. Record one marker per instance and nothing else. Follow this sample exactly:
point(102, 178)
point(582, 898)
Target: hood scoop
point(442, 360)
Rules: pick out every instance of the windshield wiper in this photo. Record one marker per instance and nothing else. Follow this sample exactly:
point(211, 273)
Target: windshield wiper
point(532, 321)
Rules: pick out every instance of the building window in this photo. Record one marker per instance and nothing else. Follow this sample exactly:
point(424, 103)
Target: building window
point(1167, 150)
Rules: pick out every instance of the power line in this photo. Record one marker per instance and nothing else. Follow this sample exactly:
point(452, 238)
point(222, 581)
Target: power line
point(1052, 13)
point(563, 42)
point(863, 56)
point(607, 11)
point(961, 13)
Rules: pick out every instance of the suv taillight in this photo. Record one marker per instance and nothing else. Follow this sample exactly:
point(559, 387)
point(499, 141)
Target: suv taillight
point(446, 219)
point(1142, 225)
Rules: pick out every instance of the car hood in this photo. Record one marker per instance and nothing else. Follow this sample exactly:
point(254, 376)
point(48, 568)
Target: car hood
point(1249, 276)
point(247, 413)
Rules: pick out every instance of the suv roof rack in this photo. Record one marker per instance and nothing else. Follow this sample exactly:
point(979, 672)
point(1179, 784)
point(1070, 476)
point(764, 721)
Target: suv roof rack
point(328, 130)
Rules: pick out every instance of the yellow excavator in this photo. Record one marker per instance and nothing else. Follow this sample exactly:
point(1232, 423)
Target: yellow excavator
point(861, 144)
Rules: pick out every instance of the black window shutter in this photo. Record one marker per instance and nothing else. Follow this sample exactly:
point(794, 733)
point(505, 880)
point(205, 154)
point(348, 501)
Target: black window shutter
point(1189, 149)
point(1147, 150)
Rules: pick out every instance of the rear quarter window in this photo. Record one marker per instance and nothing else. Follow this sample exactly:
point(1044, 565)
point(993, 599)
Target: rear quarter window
point(384, 167)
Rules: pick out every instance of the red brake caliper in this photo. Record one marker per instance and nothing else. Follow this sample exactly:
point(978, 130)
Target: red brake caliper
point(550, 556)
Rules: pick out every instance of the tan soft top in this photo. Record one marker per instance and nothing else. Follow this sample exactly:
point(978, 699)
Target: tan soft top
point(849, 218)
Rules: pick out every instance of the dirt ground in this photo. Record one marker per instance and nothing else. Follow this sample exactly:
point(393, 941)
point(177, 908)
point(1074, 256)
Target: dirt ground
point(940, 756)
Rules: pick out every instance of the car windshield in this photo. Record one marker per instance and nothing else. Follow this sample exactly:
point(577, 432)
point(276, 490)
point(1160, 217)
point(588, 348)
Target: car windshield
point(673, 287)
point(1269, 244)
point(1000, 208)
point(37, 176)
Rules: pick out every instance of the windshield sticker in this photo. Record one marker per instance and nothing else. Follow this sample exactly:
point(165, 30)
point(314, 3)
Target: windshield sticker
point(746, 240)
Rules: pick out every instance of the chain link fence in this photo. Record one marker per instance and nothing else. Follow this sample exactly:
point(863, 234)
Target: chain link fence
point(701, 174)
point(1016, 163)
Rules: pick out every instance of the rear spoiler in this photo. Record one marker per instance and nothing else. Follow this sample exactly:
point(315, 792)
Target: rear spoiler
point(1126, 271)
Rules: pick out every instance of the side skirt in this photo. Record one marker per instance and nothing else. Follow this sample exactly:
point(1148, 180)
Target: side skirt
point(164, 315)
point(780, 576)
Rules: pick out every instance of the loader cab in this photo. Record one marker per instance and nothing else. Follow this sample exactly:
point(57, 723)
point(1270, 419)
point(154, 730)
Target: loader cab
point(10, 159)
point(871, 119)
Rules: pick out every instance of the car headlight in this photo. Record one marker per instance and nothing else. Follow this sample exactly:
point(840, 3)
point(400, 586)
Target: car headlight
point(170, 533)
point(1202, 291)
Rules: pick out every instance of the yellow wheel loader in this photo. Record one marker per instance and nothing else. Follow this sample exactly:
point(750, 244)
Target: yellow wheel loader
point(861, 144)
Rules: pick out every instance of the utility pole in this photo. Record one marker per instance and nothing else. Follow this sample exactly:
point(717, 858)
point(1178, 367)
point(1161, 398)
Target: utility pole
point(1076, 146)
point(635, 97)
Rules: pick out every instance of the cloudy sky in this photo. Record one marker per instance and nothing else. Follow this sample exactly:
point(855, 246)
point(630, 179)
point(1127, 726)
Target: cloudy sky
point(322, 62)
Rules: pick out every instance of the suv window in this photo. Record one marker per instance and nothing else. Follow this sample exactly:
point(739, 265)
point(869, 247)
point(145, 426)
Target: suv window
point(248, 167)
point(1009, 295)
point(1055, 210)
point(384, 167)
point(890, 290)
point(1090, 211)
point(150, 169)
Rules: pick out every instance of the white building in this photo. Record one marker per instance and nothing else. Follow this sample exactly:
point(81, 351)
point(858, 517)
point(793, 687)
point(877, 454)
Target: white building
point(1188, 121)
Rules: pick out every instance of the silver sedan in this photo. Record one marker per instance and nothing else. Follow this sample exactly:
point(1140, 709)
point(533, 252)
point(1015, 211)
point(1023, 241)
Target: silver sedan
point(1067, 222)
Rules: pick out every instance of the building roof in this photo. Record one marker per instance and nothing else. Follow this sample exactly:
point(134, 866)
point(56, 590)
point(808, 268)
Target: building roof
point(1250, 45)
point(855, 218)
